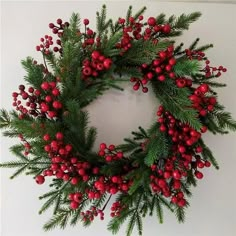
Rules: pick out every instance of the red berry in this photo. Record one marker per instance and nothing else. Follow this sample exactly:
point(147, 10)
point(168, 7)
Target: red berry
point(59, 21)
point(162, 183)
point(46, 137)
point(40, 179)
point(107, 63)
point(198, 174)
point(48, 98)
point(204, 88)
point(115, 179)
point(103, 146)
point(145, 89)
point(199, 149)
point(161, 77)
point(136, 87)
point(207, 164)
point(151, 21)
point(174, 199)
point(74, 181)
point(166, 29)
point(56, 92)
point(91, 195)
point(59, 136)
point(176, 174)
point(74, 205)
point(182, 149)
point(51, 114)
point(108, 158)
point(87, 71)
point(44, 107)
point(86, 21)
point(45, 86)
point(200, 164)
point(95, 55)
point(81, 172)
point(113, 190)
point(119, 155)
point(57, 105)
point(181, 202)
point(51, 25)
point(111, 147)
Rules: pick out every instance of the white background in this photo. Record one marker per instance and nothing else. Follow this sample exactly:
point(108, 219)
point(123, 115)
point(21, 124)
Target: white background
point(213, 206)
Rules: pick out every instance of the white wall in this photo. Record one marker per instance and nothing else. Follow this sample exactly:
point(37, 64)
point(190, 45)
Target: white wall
point(213, 206)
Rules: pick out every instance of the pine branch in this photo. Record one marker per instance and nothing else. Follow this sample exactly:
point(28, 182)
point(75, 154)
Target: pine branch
point(53, 198)
point(139, 13)
point(177, 102)
point(128, 15)
point(115, 224)
point(208, 155)
point(160, 19)
point(194, 44)
point(91, 138)
point(180, 214)
point(185, 67)
point(5, 119)
point(157, 148)
point(183, 21)
point(34, 72)
point(159, 210)
point(60, 219)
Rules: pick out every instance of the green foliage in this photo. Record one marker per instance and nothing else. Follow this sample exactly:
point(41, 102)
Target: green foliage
point(220, 121)
point(183, 21)
point(34, 74)
point(142, 52)
point(185, 67)
point(177, 102)
point(208, 155)
point(4, 119)
point(157, 148)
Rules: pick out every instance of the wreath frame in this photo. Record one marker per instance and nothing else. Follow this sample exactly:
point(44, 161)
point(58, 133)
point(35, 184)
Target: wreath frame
point(143, 147)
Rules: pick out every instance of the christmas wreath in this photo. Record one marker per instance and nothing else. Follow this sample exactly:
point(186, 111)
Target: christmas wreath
point(154, 168)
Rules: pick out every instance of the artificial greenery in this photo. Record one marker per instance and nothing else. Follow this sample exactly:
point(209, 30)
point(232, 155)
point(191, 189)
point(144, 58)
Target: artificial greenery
point(145, 154)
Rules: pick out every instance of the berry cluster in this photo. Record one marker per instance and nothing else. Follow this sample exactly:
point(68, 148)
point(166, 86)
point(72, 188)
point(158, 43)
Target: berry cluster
point(168, 173)
point(98, 63)
point(160, 69)
point(50, 104)
point(182, 134)
point(116, 209)
point(112, 184)
point(213, 71)
point(43, 103)
point(201, 102)
point(194, 54)
point(75, 199)
point(90, 214)
point(31, 104)
point(65, 165)
point(134, 30)
point(182, 82)
point(46, 42)
point(109, 153)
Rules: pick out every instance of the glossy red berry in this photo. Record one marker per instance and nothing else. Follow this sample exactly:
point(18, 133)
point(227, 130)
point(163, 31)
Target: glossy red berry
point(151, 21)
point(40, 179)
point(198, 174)
point(74, 205)
point(59, 136)
point(86, 21)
